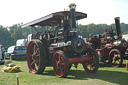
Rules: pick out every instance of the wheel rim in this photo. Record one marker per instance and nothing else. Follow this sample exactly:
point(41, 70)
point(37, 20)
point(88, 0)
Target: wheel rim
point(33, 57)
point(59, 64)
point(115, 59)
point(91, 65)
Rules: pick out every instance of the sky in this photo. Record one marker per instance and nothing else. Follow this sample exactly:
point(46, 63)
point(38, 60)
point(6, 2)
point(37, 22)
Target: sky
point(98, 11)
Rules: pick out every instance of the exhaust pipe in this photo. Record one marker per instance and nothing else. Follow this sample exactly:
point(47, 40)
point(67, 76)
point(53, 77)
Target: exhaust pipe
point(72, 15)
point(117, 22)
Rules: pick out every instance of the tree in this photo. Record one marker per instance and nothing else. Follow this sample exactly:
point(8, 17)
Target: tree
point(5, 37)
point(9, 37)
point(17, 34)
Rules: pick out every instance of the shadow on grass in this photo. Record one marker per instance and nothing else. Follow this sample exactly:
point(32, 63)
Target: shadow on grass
point(49, 72)
point(16, 59)
point(19, 59)
point(116, 77)
point(109, 65)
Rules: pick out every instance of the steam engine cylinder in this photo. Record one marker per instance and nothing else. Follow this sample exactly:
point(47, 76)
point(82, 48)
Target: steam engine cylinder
point(77, 46)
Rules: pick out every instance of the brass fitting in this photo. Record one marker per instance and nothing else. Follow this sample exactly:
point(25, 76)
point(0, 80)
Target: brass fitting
point(72, 6)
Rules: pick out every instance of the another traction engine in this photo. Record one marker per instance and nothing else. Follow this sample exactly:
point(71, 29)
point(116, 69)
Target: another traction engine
point(110, 46)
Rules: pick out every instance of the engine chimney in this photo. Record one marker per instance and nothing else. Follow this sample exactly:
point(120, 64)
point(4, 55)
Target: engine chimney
point(117, 22)
point(72, 15)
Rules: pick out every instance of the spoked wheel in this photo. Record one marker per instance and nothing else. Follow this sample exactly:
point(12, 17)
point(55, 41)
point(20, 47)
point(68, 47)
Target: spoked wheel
point(36, 57)
point(60, 64)
point(115, 58)
point(91, 66)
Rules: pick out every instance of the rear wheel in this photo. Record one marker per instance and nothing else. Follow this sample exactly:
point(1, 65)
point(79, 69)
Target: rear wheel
point(115, 58)
point(36, 57)
point(91, 66)
point(60, 64)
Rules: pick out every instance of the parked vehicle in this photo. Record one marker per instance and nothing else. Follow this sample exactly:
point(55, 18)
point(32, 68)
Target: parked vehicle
point(110, 46)
point(21, 42)
point(16, 52)
point(0, 52)
point(1, 55)
point(60, 46)
point(5, 49)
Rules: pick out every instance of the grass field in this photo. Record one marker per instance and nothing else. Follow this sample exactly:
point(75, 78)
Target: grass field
point(106, 75)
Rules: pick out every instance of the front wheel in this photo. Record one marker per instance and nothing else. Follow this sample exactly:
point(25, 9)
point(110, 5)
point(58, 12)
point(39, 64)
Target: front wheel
point(115, 58)
point(60, 64)
point(91, 66)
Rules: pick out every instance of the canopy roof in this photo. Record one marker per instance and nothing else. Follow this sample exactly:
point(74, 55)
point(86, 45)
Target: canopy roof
point(53, 19)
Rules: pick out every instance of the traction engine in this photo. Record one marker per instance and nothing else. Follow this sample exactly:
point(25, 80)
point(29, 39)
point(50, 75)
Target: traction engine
point(60, 46)
point(110, 46)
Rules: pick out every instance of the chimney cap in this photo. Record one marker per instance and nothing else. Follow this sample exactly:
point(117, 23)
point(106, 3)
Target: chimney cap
point(117, 18)
point(72, 6)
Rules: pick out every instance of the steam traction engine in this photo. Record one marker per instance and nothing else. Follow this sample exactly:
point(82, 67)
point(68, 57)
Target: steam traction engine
point(110, 46)
point(60, 47)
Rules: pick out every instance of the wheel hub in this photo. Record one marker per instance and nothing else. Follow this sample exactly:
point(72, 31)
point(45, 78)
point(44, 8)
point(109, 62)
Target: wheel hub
point(58, 64)
point(33, 57)
point(115, 58)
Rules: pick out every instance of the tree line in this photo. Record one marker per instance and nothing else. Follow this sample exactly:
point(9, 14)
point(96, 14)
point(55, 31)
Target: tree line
point(9, 35)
